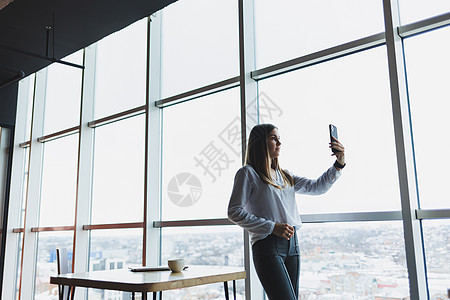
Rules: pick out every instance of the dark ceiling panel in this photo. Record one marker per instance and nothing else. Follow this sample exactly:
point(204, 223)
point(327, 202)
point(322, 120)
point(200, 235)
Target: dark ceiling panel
point(77, 24)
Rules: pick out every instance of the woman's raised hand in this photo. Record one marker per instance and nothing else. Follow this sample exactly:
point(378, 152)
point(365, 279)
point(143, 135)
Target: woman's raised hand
point(340, 153)
point(283, 230)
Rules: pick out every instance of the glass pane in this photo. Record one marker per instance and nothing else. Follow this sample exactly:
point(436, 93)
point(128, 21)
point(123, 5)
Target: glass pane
point(353, 94)
point(5, 173)
point(5, 148)
point(199, 44)
point(63, 96)
point(24, 187)
point(75, 58)
point(353, 261)
point(19, 236)
point(416, 10)
point(59, 182)
point(118, 184)
point(436, 235)
point(46, 265)
point(29, 81)
point(427, 63)
point(18, 271)
point(212, 246)
point(120, 73)
point(199, 162)
point(296, 28)
point(114, 249)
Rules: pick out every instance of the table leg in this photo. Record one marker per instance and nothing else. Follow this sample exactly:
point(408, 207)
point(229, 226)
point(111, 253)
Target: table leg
point(132, 295)
point(234, 289)
point(225, 286)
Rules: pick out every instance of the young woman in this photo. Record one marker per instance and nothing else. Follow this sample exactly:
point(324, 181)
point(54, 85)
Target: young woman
point(263, 203)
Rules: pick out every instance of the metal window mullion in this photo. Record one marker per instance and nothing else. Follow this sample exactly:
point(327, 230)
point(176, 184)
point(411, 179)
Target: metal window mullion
point(216, 87)
point(118, 117)
point(25, 144)
point(404, 149)
point(33, 195)
point(433, 214)
point(312, 218)
point(16, 189)
point(248, 95)
point(424, 25)
point(350, 47)
point(195, 222)
point(85, 162)
point(352, 217)
point(52, 228)
point(59, 134)
point(153, 145)
point(113, 226)
point(321, 56)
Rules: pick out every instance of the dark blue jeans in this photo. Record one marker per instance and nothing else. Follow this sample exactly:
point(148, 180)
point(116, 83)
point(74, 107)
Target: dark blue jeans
point(277, 263)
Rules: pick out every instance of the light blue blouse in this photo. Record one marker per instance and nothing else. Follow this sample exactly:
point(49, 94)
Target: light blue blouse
point(256, 206)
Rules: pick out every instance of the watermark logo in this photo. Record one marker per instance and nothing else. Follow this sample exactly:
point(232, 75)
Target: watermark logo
point(268, 109)
point(184, 190)
point(213, 160)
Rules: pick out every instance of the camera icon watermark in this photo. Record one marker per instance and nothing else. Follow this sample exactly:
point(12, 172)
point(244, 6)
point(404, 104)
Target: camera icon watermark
point(184, 189)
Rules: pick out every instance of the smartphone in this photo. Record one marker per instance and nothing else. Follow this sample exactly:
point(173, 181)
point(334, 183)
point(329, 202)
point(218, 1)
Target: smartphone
point(333, 134)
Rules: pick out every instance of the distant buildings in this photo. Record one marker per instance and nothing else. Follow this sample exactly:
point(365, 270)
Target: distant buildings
point(362, 263)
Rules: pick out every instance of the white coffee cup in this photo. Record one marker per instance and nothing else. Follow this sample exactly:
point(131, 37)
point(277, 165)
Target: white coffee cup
point(176, 265)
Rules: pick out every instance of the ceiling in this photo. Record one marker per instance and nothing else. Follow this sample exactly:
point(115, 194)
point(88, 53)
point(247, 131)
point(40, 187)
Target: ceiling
point(27, 28)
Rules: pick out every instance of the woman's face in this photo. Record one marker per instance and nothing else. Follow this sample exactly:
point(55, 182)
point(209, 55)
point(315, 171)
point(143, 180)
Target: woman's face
point(274, 144)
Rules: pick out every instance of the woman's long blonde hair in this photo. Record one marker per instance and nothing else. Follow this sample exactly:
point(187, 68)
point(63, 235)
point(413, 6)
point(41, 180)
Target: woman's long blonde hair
point(258, 156)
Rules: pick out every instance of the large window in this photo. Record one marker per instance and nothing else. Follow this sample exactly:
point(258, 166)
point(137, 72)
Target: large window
point(429, 94)
point(59, 177)
point(201, 154)
point(353, 94)
point(21, 218)
point(210, 246)
point(112, 250)
point(23, 155)
point(194, 35)
point(132, 160)
point(416, 10)
point(63, 95)
point(353, 260)
point(120, 71)
point(437, 248)
point(118, 184)
point(295, 28)
point(46, 266)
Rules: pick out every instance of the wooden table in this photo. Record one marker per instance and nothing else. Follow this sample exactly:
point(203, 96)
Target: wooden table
point(152, 281)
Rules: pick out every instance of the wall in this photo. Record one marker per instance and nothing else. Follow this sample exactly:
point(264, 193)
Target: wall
point(8, 105)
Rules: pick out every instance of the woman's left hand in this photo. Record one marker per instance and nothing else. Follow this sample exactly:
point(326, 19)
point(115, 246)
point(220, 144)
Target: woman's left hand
point(283, 230)
point(340, 153)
